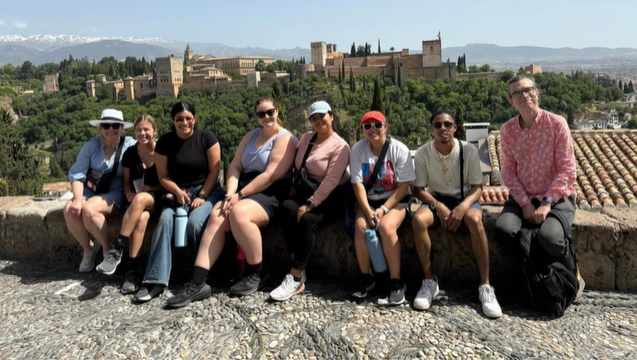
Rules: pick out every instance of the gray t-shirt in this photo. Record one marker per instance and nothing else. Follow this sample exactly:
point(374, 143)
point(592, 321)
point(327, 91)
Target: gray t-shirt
point(397, 167)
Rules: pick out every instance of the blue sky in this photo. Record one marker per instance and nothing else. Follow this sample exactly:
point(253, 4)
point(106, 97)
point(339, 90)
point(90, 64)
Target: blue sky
point(287, 24)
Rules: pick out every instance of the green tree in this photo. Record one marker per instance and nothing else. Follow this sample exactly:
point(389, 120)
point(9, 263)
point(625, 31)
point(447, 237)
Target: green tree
point(621, 86)
point(27, 70)
point(379, 46)
point(277, 94)
point(353, 50)
point(460, 130)
point(352, 81)
point(631, 89)
point(260, 66)
point(18, 168)
point(56, 170)
point(377, 99)
point(392, 49)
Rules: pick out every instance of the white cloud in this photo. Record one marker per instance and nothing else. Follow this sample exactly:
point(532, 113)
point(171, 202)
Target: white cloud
point(2, 22)
point(19, 24)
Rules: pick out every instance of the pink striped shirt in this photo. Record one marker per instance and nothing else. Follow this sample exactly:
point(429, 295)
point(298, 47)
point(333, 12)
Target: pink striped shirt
point(538, 162)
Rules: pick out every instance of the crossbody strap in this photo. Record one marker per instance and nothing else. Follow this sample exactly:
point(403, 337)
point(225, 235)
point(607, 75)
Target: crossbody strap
point(377, 166)
point(307, 153)
point(461, 170)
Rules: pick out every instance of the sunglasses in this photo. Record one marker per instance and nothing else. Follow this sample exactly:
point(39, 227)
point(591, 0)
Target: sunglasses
point(107, 126)
point(447, 124)
point(262, 114)
point(377, 125)
point(187, 118)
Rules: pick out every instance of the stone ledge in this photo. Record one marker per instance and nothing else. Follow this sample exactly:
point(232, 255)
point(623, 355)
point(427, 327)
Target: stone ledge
point(605, 243)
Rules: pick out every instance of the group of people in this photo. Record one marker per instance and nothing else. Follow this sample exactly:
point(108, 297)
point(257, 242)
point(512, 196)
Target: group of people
point(305, 183)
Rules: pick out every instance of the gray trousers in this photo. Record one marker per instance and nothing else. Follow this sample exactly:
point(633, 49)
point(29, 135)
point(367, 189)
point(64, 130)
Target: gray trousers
point(551, 233)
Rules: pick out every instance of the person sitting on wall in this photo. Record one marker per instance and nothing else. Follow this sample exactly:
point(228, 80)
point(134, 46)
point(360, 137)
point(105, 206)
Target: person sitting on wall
point(449, 184)
point(538, 166)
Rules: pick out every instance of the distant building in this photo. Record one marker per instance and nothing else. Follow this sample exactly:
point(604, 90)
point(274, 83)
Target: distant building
point(170, 73)
point(609, 121)
point(533, 69)
point(398, 65)
point(93, 86)
point(51, 83)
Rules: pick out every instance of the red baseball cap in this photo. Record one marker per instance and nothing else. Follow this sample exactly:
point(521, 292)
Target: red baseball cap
point(372, 117)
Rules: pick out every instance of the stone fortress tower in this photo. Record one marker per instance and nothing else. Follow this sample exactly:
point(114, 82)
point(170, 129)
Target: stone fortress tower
point(318, 51)
point(188, 54)
point(169, 72)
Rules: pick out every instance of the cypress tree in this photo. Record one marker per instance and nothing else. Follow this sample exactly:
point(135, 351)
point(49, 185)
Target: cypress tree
point(620, 85)
point(377, 99)
point(352, 82)
point(379, 46)
point(353, 51)
point(460, 131)
point(631, 89)
point(277, 94)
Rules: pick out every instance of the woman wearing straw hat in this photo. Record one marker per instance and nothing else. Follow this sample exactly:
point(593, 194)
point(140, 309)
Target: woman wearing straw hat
point(97, 188)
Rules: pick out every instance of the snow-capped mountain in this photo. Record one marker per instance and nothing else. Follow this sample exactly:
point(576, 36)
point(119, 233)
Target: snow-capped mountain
point(49, 42)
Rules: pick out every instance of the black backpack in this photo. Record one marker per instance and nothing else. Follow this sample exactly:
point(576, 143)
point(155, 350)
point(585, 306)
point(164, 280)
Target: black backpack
point(552, 284)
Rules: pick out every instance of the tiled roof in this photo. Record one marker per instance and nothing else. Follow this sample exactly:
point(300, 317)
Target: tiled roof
point(606, 167)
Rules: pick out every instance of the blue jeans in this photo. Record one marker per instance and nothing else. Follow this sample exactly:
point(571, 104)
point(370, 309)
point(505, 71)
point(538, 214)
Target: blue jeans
point(160, 257)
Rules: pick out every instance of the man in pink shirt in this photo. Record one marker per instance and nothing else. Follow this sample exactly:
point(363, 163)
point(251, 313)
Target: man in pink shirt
point(538, 167)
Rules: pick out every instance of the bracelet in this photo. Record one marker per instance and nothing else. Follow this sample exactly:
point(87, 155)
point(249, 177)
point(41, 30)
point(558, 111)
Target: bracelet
point(240, 195)
point(201, 196)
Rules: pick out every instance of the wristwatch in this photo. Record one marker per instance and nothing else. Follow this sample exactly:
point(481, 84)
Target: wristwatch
point(432, 206)
point(240, 195)
point(201, 196)
point(548, 200)
point(309, 205)
point(385, 209)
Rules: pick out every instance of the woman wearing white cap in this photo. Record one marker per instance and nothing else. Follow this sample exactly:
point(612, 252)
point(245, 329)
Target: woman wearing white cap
point(320, 182)
point(97, 189)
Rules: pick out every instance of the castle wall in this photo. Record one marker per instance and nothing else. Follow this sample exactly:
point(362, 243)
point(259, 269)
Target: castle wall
point(431, 53)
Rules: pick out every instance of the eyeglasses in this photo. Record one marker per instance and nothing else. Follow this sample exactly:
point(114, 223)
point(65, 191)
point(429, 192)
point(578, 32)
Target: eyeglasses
point(377, 125)
point(107, 126)
point(262, 114)
point(180, 119)
point(518, 93)
point(447, 124)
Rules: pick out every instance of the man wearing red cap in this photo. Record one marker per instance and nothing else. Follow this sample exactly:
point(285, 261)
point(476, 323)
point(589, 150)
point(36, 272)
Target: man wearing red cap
point(383, 204)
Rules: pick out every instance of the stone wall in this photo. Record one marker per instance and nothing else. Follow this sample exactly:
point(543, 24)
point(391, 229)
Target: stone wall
point(605, 243)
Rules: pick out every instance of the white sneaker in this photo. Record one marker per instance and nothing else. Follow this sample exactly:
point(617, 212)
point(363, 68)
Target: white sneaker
point(88, 259)
point(490, 305)
point(426, 294)
point(288, 288)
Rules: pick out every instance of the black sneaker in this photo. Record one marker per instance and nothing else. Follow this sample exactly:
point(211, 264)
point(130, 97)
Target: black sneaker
point(147, 292)
point(365, 285)
point(189, 293)
point(249, 284)
point(397, 292)
point(131, 282)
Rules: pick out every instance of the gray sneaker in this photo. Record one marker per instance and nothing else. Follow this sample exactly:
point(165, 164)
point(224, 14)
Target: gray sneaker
point(88, 259)
point(288, 288)
point(111, 259)
point(131, 282)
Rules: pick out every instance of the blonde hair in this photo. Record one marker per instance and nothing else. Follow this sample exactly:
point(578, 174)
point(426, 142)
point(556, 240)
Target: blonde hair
point(147, 118)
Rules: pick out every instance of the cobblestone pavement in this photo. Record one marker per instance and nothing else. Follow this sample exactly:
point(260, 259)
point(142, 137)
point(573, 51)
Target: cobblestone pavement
point(91, 320)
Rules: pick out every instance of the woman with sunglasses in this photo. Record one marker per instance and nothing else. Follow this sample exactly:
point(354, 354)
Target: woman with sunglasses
point(141, 186)
point(97, 188)
point(188, 162)
point(383, 203)
point(320, 184)
point(258, 179)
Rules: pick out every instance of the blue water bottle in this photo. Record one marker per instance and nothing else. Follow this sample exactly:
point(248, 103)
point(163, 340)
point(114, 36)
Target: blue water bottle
point(181, 219)
point(375, 250)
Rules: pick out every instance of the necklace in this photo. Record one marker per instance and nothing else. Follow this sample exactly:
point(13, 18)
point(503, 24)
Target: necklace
point(444, 161)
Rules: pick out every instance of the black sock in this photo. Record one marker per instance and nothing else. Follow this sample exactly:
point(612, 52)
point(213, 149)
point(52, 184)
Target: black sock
point(298, 278)
point(199, 275)
point(251, 269)
point(121, 243)
point(133, 263)
point(366, 278)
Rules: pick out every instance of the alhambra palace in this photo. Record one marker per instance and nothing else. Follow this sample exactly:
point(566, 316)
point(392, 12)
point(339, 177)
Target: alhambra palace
point(202, 71)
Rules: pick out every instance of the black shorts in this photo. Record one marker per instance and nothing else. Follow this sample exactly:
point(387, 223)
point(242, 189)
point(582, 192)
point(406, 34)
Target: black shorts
point(271, 198)
point(406, 201)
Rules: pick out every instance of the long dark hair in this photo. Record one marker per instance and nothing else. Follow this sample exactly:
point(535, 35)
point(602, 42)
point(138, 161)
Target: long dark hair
point(181, 107)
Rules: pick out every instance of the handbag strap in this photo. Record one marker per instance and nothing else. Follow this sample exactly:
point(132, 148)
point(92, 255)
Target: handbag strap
point(307, 153)
point(377, 166)
point(118, 153)
point(461, 170)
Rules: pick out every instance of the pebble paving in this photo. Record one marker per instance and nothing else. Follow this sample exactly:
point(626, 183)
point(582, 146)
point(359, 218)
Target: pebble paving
point(90, 319)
